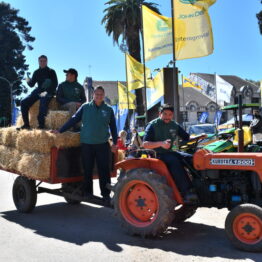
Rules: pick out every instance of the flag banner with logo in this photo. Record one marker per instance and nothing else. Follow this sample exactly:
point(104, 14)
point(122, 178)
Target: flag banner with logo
point(156, 92)
point(189, 83)
point(126, 100)
point(203, 117)
point(121, 116)
point(157, 33)
point(223, 90)
point(135, 73)
point(217, 117)
point(193, 36)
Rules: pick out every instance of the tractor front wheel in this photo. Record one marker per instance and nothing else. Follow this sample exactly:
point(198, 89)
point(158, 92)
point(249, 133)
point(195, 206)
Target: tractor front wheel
point(244, 227)
point(143, 202)
point(24, 194)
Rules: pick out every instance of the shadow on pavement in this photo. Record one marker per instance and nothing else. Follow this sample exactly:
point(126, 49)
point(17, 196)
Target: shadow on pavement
point(82, 223)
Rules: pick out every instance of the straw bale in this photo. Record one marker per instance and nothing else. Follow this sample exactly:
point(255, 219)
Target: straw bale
point(35, 165)
point(33, 113)
point(53, 105)
point(35, 141)
point(9, 157)
point(8, 136)
point(55, 119)
point(67, 139)
point(19, 121)
point(1, 136)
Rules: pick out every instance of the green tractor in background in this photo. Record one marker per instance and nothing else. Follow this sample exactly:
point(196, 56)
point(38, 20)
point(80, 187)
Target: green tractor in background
point(228, 138)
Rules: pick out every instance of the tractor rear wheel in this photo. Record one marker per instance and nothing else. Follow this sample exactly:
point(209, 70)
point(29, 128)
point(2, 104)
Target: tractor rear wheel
point(24, 194)
point(244, 227)
point(183, 213)
point(143, 202)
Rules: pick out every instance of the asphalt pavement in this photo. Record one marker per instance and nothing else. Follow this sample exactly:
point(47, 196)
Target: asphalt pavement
point(57, 231)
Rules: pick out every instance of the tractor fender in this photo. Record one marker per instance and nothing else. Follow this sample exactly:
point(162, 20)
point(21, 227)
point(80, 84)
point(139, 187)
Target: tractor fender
point(152, 164)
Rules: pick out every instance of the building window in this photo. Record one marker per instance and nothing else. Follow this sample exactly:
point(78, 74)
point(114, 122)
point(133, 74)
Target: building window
point(254, 100)
point(184, 116)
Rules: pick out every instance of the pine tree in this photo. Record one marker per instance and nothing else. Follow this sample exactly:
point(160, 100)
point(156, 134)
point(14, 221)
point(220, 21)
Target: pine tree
point(14, 39)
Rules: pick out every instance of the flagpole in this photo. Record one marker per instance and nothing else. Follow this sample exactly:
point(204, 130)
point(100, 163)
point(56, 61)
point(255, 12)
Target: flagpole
point(127, 93)
point(117, 108)
point(144, 63)
point(175, 70)
point(216, 94)
point(183, 93)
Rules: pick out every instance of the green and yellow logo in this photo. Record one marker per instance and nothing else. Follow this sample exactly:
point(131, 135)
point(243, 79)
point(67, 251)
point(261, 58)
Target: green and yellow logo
point(162, 26)
point(188, 1)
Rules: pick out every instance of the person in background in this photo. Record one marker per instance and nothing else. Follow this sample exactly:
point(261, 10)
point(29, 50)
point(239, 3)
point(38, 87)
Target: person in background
point(46, 80)
point(136, 141)
point(70, 94)
point(160, 135)
point(256, 127)
point(97, 118)
point(121, 141)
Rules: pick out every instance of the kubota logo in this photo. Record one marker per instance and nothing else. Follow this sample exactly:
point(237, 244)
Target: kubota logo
point(188, 1)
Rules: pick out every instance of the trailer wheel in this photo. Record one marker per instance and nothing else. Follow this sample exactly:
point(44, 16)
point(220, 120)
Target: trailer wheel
point(244, 227)
point(183, 213)
point(24, 194)
point(143, 202)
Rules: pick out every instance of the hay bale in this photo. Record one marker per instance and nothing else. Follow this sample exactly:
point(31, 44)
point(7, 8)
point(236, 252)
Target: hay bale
point(35, 165)
point(67, 139)
point(8, 136)
point(19, 121)
point(55, 119)
point(40, 141)
point(9, 157)
point(1, 136)
point(33, 113)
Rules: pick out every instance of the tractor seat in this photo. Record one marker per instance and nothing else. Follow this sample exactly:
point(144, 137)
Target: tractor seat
point(247, 136)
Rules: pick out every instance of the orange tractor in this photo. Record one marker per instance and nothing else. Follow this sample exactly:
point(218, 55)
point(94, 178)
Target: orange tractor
point(147, 200)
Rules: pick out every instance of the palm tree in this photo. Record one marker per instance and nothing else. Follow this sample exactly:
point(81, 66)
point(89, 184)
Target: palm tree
point(123, 18)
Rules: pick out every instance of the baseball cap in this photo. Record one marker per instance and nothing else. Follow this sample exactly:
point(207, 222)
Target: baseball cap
point(71, 71)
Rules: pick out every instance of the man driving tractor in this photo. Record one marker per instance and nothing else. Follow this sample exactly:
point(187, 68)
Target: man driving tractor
point(160, 135)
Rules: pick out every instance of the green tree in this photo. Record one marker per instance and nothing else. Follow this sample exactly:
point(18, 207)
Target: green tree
point(259, 17)
point(122, 19)
point(14, 39)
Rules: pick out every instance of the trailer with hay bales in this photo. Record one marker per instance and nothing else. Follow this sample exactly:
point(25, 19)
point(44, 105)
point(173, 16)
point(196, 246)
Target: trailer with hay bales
point(38, 156)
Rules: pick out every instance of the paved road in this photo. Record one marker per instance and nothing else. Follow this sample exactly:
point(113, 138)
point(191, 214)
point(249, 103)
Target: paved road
point(56, 231)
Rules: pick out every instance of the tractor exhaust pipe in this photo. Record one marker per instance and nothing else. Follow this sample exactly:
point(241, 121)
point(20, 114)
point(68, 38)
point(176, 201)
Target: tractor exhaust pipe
point(240, 147)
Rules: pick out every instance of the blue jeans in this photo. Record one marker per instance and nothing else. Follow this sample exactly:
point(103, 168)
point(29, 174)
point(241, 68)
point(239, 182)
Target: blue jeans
point(27, 102)
point(175, 165)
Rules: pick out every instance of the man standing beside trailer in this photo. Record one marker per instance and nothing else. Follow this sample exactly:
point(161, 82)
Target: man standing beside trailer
point(97, 118)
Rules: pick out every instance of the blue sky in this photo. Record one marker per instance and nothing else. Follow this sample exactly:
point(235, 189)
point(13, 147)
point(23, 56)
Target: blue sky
point(71, 35)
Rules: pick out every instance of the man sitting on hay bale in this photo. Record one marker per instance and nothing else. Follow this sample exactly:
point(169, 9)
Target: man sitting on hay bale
point(46, 80)
point(70, 94)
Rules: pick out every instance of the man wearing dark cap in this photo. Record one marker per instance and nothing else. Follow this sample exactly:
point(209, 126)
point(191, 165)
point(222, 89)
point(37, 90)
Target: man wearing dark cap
point(70, 94)
point(46, 80)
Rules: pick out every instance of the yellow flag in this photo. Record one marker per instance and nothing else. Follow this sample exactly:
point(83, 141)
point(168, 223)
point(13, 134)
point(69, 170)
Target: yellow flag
point(135, 73)
point(189, 83)
point(157, 34)
point(156, 91)
point(122, 97)
point(195, 37)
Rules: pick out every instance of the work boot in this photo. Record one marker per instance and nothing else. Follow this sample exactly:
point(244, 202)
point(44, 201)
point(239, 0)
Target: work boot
point(23, 127)
point(107, 201)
